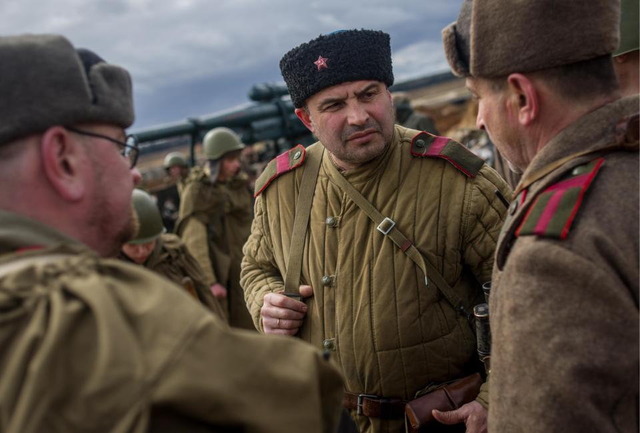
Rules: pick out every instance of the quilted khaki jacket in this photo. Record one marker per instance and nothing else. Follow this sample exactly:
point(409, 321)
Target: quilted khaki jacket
point(390, 334)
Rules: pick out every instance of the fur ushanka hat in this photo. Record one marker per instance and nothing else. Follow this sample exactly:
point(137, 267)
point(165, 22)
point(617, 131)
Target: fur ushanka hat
point(45, 81)
point(492, 38)
point(339, 57)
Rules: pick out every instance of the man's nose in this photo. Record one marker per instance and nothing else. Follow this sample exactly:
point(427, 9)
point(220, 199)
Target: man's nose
point(136, 176)
point(357, 114)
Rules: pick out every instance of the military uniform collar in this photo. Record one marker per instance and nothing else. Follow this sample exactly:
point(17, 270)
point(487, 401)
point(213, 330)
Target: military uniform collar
point(19, 232)
point(593, 131)
point(576, 145)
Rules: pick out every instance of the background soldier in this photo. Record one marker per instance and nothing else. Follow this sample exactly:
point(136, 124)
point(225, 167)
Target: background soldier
point(165, 253)
point(366, 300)
point(176, 166)
point(564, 296)
point(409, 118)
point(215, 220)
point(96, 344)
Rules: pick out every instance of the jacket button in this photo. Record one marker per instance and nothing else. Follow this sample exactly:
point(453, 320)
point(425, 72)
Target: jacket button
point(297, 155)
point(327, 280)
point(329, 344)
point(331, 222)
point(420, 143)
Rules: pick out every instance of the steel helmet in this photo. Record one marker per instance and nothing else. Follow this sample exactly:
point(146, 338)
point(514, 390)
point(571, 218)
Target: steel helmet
point(149, 218)
point(220, 141)
point(174, 158)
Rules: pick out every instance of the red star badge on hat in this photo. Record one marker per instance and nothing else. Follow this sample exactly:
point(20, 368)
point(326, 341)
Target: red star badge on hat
point(321, 63)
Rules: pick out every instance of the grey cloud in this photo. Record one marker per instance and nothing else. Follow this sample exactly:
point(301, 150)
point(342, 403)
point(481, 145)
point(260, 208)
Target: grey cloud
point(172, 44)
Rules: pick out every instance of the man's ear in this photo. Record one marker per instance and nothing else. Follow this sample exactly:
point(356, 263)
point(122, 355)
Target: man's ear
point(303, 115)
point(524, 98)
point(63, 161)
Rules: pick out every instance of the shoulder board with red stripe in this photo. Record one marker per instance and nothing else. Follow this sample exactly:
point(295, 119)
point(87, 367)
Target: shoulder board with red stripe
point(553, 211)
point(432, 146)
point(283, 163)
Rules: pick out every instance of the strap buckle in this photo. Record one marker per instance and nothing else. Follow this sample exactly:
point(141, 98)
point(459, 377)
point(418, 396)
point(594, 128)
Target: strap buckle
point(386, 226)
point(360, 403)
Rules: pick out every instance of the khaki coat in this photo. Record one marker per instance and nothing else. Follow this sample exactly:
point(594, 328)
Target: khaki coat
point(171, 259)
point(564, 300)
point(390, 335)
point(97, 345)
point(214, 223)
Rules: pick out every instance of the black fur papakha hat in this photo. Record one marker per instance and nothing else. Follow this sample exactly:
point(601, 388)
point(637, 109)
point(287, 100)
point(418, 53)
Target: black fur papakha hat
point(339, 57)
point(45, 81)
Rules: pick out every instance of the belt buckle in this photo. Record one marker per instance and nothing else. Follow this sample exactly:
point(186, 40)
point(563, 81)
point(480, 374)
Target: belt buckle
point(359, 403)
point(386, 226)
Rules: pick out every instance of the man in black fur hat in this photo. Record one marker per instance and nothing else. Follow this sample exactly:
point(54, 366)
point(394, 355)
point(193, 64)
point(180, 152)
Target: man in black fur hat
point(383, 290)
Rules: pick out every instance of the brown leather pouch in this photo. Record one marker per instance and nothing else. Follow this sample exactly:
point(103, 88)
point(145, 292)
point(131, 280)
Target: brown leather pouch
point(447, 396)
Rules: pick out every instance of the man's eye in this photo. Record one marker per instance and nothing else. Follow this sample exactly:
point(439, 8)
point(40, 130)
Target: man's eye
point(332, 107)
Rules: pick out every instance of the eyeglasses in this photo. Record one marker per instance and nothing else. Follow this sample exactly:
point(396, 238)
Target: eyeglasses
point(130, 149)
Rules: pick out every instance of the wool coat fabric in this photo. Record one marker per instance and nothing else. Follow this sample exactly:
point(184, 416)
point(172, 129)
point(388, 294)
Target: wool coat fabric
point(390, 335)
point(564, 299)
point(97, 345)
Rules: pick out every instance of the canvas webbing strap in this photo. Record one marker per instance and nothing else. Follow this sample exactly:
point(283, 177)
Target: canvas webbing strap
point(301, 221)
point(388, 228)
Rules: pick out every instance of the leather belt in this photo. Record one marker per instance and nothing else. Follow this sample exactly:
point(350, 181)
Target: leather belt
point(374, 406)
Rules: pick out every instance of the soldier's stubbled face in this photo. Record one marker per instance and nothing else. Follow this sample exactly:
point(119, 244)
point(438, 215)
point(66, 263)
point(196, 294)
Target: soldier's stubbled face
point(112, 216)
point(495, 116)
point(354, 121)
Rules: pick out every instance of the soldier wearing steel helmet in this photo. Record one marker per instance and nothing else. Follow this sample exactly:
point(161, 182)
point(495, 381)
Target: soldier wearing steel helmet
point(165, 254)
point(177, 168)
point(168, 199)
point(215, 220)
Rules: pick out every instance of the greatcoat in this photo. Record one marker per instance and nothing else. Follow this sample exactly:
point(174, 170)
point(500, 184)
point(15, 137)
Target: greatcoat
point(564, 299)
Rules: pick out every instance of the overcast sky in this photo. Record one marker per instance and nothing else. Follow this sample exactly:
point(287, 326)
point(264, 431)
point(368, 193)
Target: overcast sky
point(191, 58)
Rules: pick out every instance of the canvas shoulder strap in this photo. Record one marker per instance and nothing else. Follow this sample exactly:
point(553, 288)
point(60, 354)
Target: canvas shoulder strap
point(301, 221)
point(387, 227)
